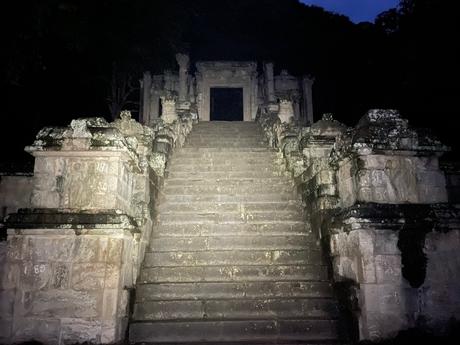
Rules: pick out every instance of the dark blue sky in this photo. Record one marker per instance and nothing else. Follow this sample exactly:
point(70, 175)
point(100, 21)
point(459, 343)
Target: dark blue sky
point(357, 10)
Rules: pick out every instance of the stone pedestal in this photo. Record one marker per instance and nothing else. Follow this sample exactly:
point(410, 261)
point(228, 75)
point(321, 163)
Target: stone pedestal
point(377, 198)
point(73, 257)
point(392, 198)
point(286, 111)
point(390, 163)
point(169, 109)
point(68, 276)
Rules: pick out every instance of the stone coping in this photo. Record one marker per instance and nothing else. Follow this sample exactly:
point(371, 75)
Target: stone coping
point(441, 216)
point(54, 218)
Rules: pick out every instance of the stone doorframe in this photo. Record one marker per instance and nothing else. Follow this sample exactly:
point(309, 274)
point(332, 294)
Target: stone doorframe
point(225, 74)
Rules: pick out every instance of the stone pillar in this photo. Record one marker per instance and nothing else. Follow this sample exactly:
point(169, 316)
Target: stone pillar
point(183, 61)
point(156, 92)
point(191, 89)
point(307, 84)
point(146, 89)
point(269, 82)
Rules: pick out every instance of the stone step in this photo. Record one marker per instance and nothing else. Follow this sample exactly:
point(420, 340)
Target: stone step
point(225, 145)
point(244, 181)
point(231, 141)
point(222, 160)
point(233, 218)
point(212, 207)
point(233, 273)
point(226, 136)
point(205, 243)
point(227, 125)
point(240, 197)
point(236, 150)
point(229, 134)
point(228, 189)
point(236, 309)
point(233, 257)
point(181, 154)
point(260, 331)
point(223, 174)
point(234, 229)
point(244, 216)
point(229, 130)
point(232, 290)
point(241, 166)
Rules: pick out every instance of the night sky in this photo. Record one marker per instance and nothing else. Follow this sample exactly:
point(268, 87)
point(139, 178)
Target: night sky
point(356, 10)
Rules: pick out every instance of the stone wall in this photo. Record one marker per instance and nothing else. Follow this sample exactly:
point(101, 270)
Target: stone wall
point(72, 256)
point(376, 196)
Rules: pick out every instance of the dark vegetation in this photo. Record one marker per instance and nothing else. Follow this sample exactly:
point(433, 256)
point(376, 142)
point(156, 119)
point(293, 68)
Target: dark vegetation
point(66, 59)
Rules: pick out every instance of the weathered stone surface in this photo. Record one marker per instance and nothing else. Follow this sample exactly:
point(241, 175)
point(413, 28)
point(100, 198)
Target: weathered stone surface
point(88, 276)
point(15, 193)
point(7, 303)
point(384, 310)
point(372, 177)
point(80, 330)
point(391, 179)
point(54, 303)
point(44, 330)
point(70, 260)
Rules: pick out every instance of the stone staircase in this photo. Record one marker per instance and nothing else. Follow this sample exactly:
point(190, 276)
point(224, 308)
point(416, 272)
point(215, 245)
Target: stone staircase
point(231, 259)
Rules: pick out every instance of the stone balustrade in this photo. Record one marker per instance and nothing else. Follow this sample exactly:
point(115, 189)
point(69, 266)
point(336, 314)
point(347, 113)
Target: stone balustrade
point(376, 196)
point(72, 257)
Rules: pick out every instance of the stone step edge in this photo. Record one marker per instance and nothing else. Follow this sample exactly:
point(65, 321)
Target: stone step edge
point(287, 297)
point(234, 250)
point(319, 265)
point(305, 337)
point(247, 342)
point(236, 319)
point(179, 320)
point(191, 222)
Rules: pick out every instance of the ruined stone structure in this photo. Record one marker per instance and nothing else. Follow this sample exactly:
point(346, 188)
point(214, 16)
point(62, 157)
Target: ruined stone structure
point(194, 91)
point(185, 230)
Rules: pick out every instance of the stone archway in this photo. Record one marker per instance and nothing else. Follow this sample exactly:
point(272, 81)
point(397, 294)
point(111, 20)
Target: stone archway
point(217, 74)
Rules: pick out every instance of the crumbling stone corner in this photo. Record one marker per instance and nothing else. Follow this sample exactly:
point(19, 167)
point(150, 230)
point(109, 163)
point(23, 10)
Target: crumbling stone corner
point(72, 257)
point(376, 197)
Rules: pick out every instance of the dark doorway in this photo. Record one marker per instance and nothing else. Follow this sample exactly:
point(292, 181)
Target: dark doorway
point(226, 104)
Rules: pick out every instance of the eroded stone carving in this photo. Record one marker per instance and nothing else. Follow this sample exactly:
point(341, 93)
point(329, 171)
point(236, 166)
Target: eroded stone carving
point(169, 108)
point(286, 111)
